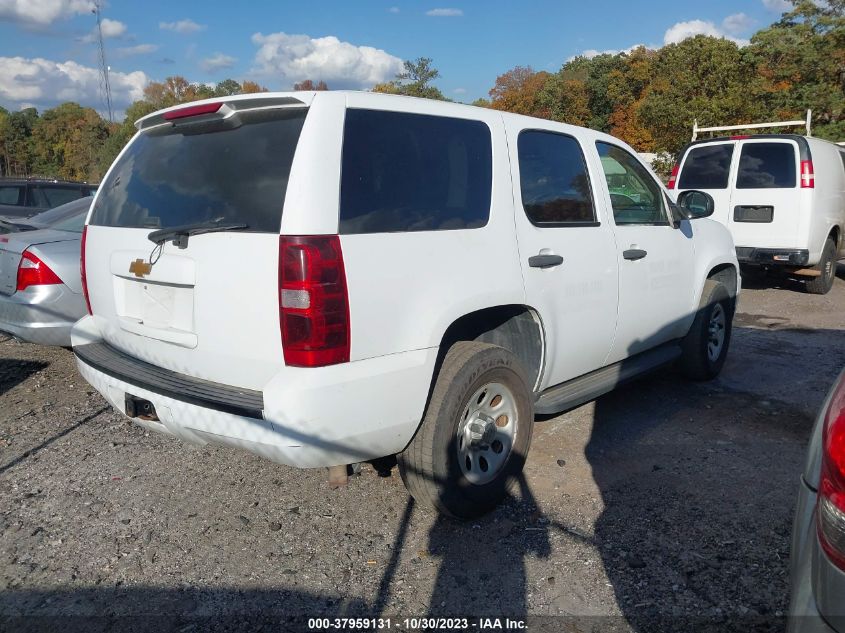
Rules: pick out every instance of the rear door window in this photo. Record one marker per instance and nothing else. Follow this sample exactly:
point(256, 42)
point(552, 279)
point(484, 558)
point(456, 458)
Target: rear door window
point(413, 172)
point(11, 194)
point(60, 195)
point(553, 180)
point(767, 166)
point(227, 171)
point(707, 167)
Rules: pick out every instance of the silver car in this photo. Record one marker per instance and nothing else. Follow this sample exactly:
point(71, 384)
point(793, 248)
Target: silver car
point(818, 540)
point(40, 286)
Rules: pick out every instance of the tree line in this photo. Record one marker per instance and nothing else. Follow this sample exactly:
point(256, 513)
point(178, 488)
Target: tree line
point(649, 98)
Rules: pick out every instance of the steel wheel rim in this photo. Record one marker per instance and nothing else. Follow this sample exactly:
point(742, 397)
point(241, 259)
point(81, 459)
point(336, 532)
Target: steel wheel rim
point(486, 432)
point(716, 332)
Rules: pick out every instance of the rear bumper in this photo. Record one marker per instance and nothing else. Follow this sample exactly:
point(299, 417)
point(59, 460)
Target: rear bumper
point(816, 585)
point(41, 314)
point(303, 417)
point(772, 256)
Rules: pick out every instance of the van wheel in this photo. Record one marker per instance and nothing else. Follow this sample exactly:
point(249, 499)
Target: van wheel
point(705, 347)
point(822, 284)
point(474, 438)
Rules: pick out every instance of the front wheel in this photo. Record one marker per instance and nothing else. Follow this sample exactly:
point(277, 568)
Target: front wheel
point(474, 438)
point(705, 347)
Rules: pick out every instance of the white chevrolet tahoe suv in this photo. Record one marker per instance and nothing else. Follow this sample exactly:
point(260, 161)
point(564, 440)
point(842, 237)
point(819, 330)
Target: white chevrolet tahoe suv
point(330, 278)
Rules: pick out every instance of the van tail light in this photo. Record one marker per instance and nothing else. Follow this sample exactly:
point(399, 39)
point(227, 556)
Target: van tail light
point(82, 274)
point(831, 503)
point(808, 177)
point(34, 272)
point(313, 301)
point(673, 179)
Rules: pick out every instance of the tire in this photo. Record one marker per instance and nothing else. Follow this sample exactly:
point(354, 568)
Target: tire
point(701, 357)
point(435, 466)
point(822, 284)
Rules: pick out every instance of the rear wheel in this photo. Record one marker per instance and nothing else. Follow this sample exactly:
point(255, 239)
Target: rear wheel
point(475, 435)
point(705, 347)
point(822, 284)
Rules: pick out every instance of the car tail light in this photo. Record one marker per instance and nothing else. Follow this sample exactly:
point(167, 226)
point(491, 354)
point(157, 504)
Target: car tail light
point(313, 301)
point(831, 503)
point(82, 274)
point(182, 113)
point(673, 178)
point(33, 272)
point(808, 178)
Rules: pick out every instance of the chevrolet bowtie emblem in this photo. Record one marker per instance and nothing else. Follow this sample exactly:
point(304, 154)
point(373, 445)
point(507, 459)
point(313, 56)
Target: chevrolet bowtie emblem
point(140, 268)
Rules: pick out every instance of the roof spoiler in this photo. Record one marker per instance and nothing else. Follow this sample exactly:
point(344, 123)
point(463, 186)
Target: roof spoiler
point(752, 126)
point(225, 108)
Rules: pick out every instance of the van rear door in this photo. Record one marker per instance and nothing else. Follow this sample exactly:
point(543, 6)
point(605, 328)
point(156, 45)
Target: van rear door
point(707, 167)
point(765, 205)
point(207, 306)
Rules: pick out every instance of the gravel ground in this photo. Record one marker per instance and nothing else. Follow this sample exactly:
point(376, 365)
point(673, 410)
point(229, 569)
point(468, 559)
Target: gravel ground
point(664, 505)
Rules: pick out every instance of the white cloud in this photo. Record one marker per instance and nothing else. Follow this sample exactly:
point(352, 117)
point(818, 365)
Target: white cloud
point(218, 61)
point(460, 91)
point(140, 49)
point(777, 6)
point(445, 13)
point(111, 29)
point(182, 26)
point(340, 64)
point(737, 23)
point(41, 13)
point(393, 10)
point(683, 30)
point(45, 83)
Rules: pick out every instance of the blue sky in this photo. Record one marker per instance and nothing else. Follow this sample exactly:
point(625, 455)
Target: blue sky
point(48, 55)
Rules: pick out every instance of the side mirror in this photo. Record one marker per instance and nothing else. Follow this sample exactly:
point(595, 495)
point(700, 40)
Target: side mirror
point(696, 204)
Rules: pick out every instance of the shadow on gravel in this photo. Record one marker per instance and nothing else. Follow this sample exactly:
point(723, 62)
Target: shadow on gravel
point(14, 371)
point(51, 439)
point(762, 280)
point(699, 482)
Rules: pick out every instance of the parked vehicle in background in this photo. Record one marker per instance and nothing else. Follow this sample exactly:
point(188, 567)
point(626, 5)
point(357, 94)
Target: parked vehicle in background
point(40, 287)
point(817, 561)
point(357, 275)
point(26, 197)
point(781, 195)
point(42, 220)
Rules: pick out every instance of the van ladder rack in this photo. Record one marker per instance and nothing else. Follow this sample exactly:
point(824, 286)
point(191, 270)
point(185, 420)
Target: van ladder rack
point(752, 126)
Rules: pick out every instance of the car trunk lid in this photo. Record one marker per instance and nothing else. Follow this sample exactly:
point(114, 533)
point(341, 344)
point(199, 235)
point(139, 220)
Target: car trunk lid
point(13, 245)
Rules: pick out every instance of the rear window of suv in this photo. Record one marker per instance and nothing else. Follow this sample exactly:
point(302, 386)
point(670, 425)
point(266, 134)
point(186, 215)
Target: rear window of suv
point(196, 172)
point(413, 172)
point(767, 166)
point(707, 167)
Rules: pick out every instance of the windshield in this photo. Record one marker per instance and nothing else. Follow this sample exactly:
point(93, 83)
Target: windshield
point(183, 174)
point(50, 217)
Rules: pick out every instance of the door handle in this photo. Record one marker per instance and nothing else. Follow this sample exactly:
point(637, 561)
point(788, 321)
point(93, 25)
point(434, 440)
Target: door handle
point(544, 261)
point(634, 253)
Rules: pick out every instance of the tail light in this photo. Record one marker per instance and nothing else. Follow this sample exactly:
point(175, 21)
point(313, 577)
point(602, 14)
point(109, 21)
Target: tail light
point(313, 301)
point(189, 111)
point(831, 503)
point(34, 272)
point(808, 178)
point(82, 274)
point(673, 179)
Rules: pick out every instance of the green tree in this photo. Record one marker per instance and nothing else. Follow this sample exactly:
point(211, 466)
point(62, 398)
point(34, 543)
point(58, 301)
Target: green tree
point(414, 81)
point(121, 134)
point(16, 141)
point(66, 141)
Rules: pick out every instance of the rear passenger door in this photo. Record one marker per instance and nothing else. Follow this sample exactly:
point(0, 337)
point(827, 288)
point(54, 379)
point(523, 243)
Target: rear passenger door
point(566, 250)
point(655, 258)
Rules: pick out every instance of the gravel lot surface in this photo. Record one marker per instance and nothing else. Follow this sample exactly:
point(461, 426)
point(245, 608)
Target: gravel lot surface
point(664, 505)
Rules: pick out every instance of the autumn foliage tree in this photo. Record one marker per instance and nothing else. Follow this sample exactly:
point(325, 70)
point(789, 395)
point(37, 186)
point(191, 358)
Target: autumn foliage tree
point(310, 85)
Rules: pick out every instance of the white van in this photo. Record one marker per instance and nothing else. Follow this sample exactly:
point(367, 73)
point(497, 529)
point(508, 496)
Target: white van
point(327, 278)
point(781, 195)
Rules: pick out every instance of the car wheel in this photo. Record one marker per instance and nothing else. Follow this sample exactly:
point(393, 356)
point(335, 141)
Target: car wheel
point(822, 284)
point(475, 435)
point(705, 347)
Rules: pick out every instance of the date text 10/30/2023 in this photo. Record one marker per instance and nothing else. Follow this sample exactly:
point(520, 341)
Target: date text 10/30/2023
point(416, 624)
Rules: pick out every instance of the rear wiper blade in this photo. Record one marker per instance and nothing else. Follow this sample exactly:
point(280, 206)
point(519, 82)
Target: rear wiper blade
point(180, 234)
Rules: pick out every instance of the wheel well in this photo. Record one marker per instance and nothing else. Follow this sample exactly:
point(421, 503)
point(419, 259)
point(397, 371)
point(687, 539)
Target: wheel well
point(726, 274)
point(517, 328)
point(834, 233)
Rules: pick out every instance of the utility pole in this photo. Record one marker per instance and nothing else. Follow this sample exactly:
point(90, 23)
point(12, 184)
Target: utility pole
point(105, 88)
